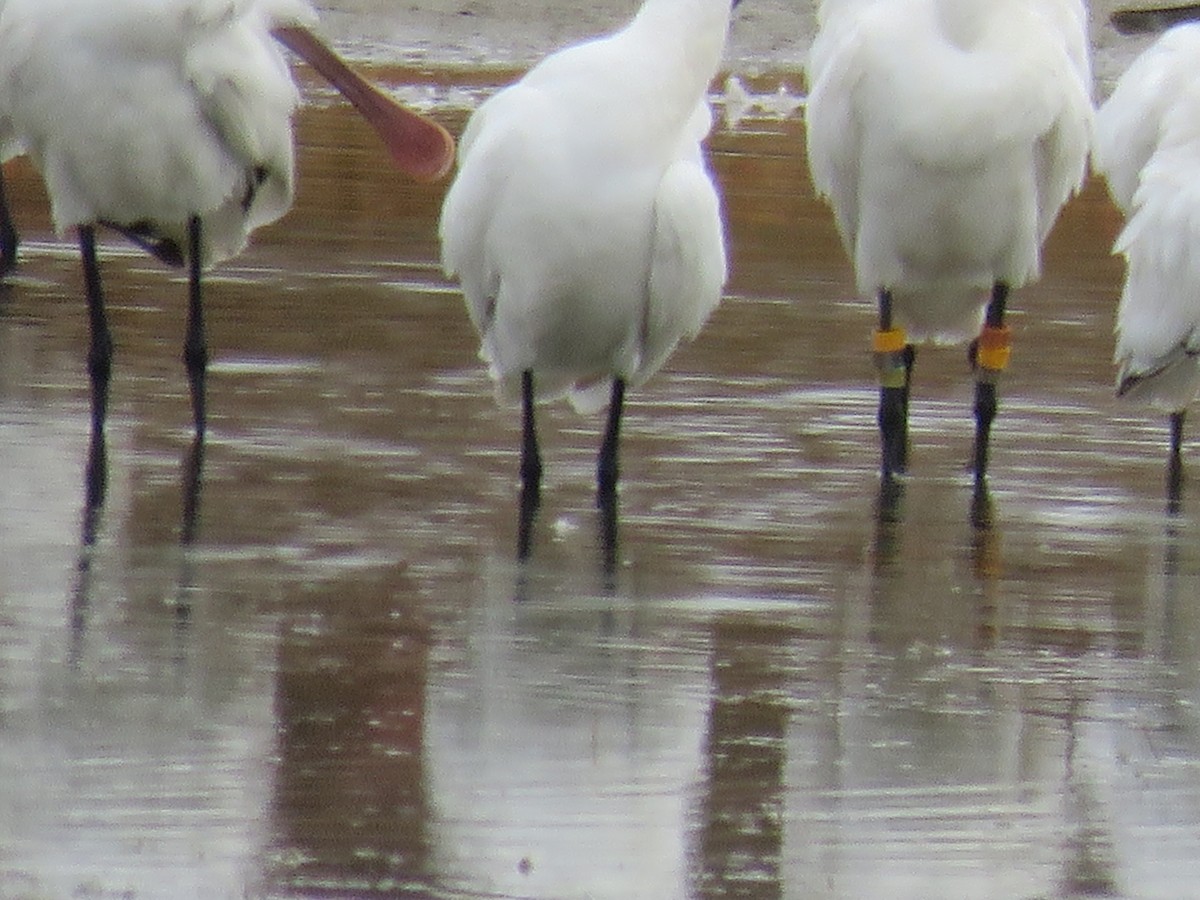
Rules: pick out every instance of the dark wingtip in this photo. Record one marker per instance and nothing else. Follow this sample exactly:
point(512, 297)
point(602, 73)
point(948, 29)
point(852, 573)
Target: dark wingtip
point(1152, 21)
point(164, 249)
point(1128, 21)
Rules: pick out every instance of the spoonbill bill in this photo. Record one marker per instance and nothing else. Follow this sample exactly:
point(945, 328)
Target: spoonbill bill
point(946, 135)
point(170, 121)
point(584, 225)
point(1148, 147)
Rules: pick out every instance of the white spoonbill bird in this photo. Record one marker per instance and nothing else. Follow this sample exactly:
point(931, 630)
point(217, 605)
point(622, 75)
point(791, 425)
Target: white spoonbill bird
point(946, 135)
point(583, 224)
point(1148, 147)
point(170, 121)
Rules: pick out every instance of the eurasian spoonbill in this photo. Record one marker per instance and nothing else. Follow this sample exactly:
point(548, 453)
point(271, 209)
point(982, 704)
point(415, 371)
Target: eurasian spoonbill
point(170, 121)
point(584, 225)
point(1148, 147)
point(946, 135)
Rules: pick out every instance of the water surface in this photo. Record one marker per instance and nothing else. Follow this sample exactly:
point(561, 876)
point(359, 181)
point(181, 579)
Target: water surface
point(345, 686)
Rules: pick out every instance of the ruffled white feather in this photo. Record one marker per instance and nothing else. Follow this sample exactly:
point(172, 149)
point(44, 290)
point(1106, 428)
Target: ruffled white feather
point(1148, 147)
point(146, 112)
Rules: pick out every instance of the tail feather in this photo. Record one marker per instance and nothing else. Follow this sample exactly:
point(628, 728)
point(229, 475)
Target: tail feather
point(1168, 382)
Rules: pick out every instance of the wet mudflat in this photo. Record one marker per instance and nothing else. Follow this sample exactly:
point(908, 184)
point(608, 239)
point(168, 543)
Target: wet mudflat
point(345, 686)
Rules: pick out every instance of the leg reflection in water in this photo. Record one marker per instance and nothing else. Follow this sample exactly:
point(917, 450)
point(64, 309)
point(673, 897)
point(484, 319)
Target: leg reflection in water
point(193, 463)
point(95, 490)
point(608, 541)
point(607, 471)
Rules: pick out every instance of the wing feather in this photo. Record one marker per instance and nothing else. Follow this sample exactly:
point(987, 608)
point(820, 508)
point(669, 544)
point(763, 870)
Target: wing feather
point(688, 264)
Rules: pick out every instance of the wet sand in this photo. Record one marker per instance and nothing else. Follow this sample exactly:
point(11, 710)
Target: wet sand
point(766, 35)
point(345, 686)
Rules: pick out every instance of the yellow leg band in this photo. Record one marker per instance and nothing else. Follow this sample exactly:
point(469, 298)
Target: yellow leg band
point(888, 347)
point(891, 341)
point(994, 348)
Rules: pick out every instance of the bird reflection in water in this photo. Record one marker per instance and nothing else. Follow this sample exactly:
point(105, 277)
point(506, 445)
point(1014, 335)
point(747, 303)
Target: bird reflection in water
point(350, 798)
point(608, 528)
point(607, 546)
point(585, 228)
point(95, 490)
point(981, 543)
point(179, 186)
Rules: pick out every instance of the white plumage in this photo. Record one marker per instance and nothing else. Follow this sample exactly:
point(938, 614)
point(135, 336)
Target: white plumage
point(583, 224)
point(168, 120)
point(1148, 147)
point(171, 121)
point(946, 136)
point(144, 113)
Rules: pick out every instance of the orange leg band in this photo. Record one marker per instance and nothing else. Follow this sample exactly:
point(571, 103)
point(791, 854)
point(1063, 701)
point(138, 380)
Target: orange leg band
point(994, 348)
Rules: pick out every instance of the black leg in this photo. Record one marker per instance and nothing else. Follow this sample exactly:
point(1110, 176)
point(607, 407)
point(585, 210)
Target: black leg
point(909, 358)
point(1177, 435)
point(531, 459)
point(895, 375)
point(195, 346)
point(985, 413)
point(607, 468)
point(8, 233)
point(531, 466)
point(100, 351)
point(607, 473)
point(1175, 462)
point(989, 357)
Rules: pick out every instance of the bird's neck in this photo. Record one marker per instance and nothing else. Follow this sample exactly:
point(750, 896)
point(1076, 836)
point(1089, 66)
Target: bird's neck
point(689, 32)
point(965, 21)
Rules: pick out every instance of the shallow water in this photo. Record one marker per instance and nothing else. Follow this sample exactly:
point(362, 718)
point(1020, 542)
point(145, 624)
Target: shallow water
point(344, 685)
